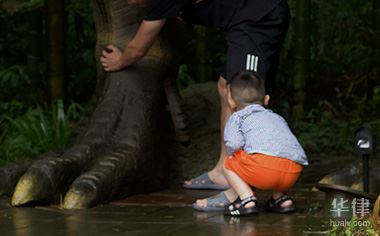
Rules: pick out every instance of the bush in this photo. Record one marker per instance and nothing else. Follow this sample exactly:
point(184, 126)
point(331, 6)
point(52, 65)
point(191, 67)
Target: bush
point(37, 131)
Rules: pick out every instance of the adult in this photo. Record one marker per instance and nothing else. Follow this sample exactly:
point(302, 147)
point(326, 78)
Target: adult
point(255, 31)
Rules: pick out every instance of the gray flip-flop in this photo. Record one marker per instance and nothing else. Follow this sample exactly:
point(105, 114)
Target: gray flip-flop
point(204, 182)
point(214, 203)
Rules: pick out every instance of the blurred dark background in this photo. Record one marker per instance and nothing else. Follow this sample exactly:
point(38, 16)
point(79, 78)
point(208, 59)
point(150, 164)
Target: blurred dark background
point(328, 83)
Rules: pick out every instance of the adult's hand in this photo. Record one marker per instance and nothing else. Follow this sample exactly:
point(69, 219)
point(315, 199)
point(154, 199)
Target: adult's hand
point(112, 59)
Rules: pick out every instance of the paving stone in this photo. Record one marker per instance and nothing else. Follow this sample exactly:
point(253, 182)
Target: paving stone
point(169, 213)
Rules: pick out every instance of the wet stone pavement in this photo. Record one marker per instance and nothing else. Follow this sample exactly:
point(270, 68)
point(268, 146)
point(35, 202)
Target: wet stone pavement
point(155, 215)
point(169, 212)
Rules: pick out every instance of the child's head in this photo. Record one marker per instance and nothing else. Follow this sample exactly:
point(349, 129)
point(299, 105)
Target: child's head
point(246, 88)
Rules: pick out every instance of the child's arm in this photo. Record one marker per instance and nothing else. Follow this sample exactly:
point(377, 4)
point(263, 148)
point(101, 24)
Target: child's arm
point(233, 137)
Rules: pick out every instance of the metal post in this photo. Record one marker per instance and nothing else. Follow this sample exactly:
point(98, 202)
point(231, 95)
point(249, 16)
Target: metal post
point(366, 173)
point(364, 147)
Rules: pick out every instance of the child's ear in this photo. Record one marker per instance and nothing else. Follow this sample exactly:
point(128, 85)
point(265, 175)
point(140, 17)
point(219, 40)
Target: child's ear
point(266, 100)
point(230, 100)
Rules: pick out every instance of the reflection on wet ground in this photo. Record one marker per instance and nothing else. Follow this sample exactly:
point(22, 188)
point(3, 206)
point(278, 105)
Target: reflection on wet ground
point(160, 214)
point(169, 212)
point(125, 219)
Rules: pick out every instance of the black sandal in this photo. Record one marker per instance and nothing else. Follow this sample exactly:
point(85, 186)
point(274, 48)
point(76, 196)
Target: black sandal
point(241, 210)
point(274, 205)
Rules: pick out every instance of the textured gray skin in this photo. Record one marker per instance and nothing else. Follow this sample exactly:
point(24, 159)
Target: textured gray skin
point(124, 147)
point(10, 174)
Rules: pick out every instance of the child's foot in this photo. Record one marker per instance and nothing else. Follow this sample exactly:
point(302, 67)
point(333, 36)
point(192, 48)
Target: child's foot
point(282, 204)
point(247, 206)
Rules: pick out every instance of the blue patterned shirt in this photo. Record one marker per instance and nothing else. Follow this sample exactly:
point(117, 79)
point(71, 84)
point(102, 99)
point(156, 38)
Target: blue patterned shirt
point(255, 129)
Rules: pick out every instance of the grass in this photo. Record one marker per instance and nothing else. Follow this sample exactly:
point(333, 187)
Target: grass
point(356, 226)
point(38, 130)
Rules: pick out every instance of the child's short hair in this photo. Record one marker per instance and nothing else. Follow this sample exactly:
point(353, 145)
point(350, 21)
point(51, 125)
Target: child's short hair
point(247, 87)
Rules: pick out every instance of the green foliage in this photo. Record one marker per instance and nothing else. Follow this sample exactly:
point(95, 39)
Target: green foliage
point(19, 6)
point(18, 26)
point(376, 95)
point(341, 37)
point(26, 129)
point(184, 79)
point(12, 42)
point(330, 127)
point(37, 131)
point(340, 48)
point(355, 227)
point(12, 109)
point(315, 208)
point(320, 132)
point(81, 38)
point(13, 77)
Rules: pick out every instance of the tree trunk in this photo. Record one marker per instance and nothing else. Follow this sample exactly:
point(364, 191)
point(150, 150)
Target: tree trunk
point(34, 45)
point(124, 148)
point(204, 71)
point(35, 36)
point(302, 56)
point(56, 36)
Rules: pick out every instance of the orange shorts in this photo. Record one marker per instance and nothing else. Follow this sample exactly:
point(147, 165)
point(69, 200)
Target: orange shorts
point(263, 171)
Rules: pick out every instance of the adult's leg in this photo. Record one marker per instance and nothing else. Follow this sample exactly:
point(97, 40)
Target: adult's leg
point(251, 46)
point(216, 174)
point(268, 34)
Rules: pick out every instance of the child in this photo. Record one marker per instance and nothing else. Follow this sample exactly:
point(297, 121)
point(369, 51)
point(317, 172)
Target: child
point(264, 152)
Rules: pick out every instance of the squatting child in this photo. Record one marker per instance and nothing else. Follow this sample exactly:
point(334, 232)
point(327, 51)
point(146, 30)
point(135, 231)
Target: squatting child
point(264, 153)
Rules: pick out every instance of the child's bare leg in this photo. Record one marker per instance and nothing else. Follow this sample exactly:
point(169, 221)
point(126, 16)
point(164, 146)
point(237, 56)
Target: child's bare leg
point(242, 189)
point(287, 203)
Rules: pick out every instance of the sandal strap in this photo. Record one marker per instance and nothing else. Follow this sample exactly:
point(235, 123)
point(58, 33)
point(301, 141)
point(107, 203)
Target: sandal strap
point(249, 199)
point(281, 199)
point(233, 210)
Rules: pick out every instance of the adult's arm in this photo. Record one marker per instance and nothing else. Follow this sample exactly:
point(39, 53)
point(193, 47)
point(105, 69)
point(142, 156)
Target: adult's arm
point(115, 59)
